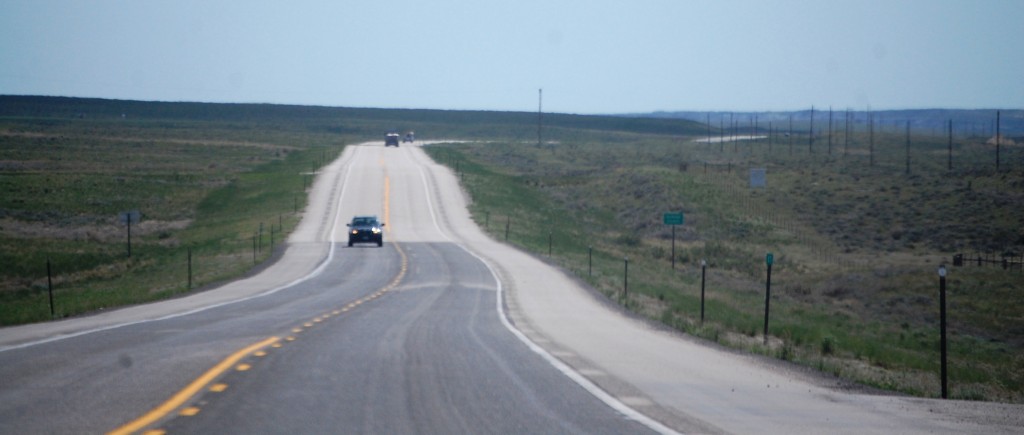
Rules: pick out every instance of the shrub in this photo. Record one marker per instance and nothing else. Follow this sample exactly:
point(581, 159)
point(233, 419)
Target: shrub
point(828, 345)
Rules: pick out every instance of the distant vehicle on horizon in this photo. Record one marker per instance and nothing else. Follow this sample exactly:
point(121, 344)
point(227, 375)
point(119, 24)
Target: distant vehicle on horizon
point(391, 139)
point(409, 137)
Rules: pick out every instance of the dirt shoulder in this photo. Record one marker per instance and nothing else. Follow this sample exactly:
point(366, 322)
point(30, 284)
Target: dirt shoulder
point(685, 382)
point(308, 248)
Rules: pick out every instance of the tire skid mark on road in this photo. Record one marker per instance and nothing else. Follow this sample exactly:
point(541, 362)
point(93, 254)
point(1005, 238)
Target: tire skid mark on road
point(186, 401)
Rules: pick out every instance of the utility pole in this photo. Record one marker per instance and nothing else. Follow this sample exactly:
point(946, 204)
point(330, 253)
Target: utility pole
point(996, 141)
point(732, 128)
point(790, 134)
point(540, 115)
point(908, 147)
point(846, 136)
point(830, 130)
point(810, 140)
point(871, 135)
point(949, 165)
point(721, 133)
point(709, 129)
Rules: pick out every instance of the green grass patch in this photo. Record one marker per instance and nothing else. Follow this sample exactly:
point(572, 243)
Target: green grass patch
point(856, 238)
point(203, 186)
point(856, 245)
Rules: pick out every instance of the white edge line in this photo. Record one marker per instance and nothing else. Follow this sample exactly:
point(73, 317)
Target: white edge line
point(316, 272)
point(568, 371)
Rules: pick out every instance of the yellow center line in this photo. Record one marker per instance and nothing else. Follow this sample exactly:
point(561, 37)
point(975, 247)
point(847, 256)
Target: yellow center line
point(192, 389)
point(387, 219)
point(202, 382)
point(387, 202)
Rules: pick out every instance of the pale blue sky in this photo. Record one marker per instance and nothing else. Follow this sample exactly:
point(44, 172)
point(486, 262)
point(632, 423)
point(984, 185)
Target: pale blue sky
point(589, 56)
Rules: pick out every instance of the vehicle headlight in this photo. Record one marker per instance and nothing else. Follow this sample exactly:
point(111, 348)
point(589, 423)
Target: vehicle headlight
point(354, 232)
point(376, 230)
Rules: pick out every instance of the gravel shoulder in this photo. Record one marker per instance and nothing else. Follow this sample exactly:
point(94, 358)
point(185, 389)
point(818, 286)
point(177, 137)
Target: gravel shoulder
point(307, 249)
point(686, 383)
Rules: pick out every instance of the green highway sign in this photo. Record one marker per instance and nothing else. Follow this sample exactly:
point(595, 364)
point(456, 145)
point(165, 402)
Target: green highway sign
point(769, 258)
point(674, 218)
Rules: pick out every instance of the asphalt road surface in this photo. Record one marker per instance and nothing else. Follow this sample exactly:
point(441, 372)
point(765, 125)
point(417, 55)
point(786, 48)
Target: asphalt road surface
point(442, 330)
point(401, 339)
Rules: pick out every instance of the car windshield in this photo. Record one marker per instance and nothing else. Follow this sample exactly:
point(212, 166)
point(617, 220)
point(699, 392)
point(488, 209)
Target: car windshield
point(363, 221)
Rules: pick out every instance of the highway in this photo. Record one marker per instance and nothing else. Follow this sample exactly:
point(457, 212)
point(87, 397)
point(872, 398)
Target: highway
point(406, 338)
point(442, 330)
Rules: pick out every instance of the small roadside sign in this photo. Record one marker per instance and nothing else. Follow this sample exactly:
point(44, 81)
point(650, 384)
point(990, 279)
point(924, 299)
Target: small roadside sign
point(130, 216)
point(769, 258)
point(758, 177)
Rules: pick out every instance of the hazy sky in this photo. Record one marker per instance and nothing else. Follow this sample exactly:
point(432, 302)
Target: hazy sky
point(589, 56)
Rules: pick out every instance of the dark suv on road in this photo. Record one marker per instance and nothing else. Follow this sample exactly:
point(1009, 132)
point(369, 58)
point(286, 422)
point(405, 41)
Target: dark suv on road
point(365, 229)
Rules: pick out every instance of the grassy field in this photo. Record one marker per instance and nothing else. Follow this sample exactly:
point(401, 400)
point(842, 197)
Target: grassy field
point(205, 178)
point(65, 183)
point(856, 245)
point(856, 239)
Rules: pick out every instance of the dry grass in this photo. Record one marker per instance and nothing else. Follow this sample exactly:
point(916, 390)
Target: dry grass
point(856, 246)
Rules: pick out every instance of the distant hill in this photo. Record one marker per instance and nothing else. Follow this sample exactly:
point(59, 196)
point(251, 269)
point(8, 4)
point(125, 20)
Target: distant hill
point(975, 122)
point(979, 123)
point(363, 121)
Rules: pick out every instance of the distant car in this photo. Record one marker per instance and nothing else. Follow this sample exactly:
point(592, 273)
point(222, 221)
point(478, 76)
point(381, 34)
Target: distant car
point(391, 139)
point(409, 137)
point(365, 229)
